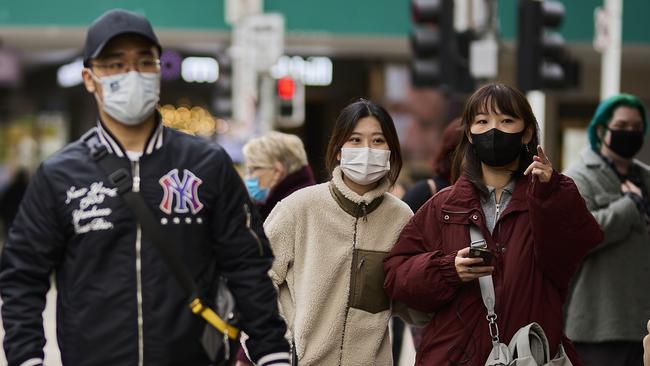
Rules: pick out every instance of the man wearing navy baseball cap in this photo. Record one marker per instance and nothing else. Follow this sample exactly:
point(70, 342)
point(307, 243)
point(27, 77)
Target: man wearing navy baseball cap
point(119, 303)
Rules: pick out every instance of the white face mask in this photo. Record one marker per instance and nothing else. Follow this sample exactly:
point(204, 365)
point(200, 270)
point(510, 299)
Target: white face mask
point(364, 165)
point(131, 97)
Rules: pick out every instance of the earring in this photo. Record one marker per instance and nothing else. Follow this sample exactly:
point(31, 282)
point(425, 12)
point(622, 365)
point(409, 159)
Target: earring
point(527, 149)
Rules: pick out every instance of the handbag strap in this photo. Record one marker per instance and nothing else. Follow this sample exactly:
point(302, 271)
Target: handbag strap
point(487, 290)
point(121, 179)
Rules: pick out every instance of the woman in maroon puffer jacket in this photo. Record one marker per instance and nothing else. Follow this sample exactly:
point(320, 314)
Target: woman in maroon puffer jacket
point(534, 221)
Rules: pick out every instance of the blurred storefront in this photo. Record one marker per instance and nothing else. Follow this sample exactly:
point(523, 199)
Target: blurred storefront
point(42, 104)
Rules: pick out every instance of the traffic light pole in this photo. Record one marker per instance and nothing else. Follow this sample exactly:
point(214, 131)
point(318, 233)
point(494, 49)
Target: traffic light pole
point(244, 76)
point(610, 76)
point(537, 101)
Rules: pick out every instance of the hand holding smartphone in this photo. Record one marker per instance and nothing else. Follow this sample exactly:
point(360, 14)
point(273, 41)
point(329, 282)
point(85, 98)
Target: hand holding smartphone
point(484, 253)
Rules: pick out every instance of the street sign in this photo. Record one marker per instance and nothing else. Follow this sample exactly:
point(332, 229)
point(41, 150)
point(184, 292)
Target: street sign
point(263, 35)
point(484, 58)
point(237, 10)
point(601, 29)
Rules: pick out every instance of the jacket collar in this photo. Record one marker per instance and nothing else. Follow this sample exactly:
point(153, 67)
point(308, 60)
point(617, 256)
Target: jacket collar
point(301, 178)
point(464, 197)
point(509, 188)
point(353, 203)
point(591, 158)
point(154, 141)
point(337, 180)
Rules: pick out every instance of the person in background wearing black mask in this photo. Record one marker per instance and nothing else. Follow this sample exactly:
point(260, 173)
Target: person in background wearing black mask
point(609, 304)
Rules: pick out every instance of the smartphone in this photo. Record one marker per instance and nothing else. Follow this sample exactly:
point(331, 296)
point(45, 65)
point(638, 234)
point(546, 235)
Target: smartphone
point(484, 253)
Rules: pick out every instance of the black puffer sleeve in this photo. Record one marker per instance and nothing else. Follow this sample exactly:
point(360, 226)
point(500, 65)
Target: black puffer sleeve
point(33, 250)
point(245, 258)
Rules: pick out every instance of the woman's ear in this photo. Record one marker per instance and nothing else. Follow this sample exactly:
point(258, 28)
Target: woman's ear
point(280, 171)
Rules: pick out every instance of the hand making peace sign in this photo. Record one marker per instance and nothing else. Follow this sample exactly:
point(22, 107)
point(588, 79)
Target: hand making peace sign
point(541, 167)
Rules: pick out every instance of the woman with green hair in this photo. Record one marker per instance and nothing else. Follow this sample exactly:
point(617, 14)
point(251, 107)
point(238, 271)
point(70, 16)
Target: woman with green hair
point(609, 304)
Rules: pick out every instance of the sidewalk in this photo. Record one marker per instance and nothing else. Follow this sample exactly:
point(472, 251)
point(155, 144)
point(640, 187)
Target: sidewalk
point(53, 358)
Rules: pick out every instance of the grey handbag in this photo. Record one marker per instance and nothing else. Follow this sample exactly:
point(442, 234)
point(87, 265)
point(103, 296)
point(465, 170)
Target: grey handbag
point(529, 346)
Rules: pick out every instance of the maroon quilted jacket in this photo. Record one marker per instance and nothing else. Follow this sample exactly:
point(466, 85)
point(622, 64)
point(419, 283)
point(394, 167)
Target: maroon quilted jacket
point(538, 241)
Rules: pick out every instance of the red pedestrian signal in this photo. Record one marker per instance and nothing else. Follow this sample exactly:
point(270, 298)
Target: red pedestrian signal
point(289, 102)
point(286, 88)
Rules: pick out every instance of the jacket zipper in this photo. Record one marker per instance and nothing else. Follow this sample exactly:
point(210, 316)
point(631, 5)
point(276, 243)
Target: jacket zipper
point(347, 306)
point(138, 268)
point(249, 222)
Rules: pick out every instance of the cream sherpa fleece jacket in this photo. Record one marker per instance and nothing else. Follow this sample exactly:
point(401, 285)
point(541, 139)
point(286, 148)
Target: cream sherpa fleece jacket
point(313, 240)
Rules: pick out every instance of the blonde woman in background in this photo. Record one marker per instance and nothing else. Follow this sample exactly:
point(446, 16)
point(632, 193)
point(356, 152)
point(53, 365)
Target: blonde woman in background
point(276, 166)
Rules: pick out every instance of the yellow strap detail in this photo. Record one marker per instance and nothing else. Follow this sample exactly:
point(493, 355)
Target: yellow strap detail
point(213, 319)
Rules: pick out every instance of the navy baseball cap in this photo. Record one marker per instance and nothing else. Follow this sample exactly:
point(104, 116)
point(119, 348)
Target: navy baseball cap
point(112, 24)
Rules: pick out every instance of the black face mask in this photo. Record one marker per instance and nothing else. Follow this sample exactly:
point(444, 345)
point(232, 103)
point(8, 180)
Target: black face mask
point(625, 143)
point(497, 148)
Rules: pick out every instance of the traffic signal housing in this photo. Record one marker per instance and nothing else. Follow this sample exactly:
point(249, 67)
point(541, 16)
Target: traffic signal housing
point(542, 59)
point(438, 60)
point(290, 102)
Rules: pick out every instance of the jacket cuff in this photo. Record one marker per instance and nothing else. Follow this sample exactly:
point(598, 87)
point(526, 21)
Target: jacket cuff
point(447, 265)
point(627, 208)
point(275, 359)
point(541, 190)
point(32, 362)
point(637, 200)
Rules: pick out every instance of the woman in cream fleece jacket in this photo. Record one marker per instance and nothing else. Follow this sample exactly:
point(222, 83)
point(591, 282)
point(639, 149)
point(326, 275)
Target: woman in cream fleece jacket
point(329, 241)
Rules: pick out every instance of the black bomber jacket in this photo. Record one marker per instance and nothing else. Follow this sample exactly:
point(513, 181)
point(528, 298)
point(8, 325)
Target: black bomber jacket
point(118, 304)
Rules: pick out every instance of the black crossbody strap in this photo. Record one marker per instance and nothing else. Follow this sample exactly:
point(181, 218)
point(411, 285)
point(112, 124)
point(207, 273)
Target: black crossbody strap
point(151, 231)
point(121, 179)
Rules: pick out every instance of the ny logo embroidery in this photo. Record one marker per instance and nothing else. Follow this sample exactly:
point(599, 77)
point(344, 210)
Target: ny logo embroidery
point(184, 192)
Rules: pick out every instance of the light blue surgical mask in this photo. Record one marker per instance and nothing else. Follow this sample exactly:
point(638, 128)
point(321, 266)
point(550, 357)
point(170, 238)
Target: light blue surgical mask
point(253, 186)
